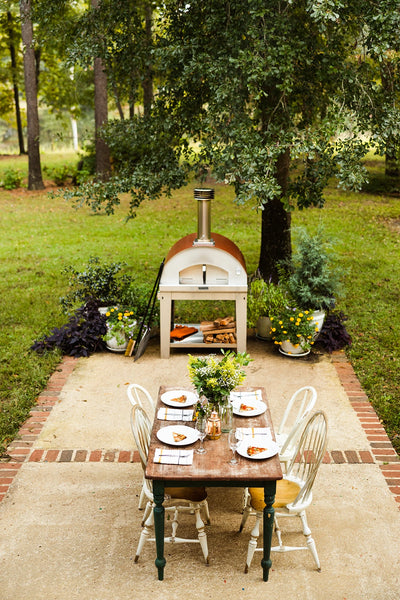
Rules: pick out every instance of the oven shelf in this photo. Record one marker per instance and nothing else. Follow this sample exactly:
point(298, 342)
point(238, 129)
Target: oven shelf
point(196, 340)
point(167, 300)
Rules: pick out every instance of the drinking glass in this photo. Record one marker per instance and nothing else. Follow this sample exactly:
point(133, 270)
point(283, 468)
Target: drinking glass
point(201, 427)
point(233, 444)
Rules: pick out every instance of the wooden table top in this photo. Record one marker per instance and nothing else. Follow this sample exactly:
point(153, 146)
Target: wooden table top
point(213, 468)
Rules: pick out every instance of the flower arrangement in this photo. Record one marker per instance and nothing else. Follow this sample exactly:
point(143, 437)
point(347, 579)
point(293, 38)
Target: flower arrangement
point(121, 324)
point(214, 378)
point(295, 326)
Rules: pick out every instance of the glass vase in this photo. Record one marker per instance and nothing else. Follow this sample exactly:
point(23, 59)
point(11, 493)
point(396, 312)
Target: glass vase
point(225, 410)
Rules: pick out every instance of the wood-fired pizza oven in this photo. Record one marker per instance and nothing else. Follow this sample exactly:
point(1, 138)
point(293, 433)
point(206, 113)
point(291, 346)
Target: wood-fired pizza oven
point(203, 266)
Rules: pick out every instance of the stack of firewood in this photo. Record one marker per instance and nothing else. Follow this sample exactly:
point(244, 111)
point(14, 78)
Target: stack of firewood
point(220, 331)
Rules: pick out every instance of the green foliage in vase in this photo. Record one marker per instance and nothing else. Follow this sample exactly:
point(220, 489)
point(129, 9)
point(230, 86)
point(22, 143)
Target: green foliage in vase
point(215, 378)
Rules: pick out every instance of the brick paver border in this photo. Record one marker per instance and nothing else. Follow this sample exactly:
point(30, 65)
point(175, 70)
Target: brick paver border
point(21, 450)
point(382, 451)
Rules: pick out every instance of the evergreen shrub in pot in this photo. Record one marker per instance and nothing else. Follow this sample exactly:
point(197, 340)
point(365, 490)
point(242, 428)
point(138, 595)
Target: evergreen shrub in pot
point(309, 276)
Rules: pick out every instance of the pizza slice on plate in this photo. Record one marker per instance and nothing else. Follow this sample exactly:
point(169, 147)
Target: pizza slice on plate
point(252, 450)
point(245, 407)
point(178, 437)
point(181, 399)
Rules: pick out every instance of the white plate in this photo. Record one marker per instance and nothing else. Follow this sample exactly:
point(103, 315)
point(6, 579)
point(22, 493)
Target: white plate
point(168, 398)
point(259, 408)
point(260, 441)
point(165, 435)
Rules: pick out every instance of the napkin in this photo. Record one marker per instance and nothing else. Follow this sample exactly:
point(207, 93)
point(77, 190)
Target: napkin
point(173, 457)
point(251, 395)
point(175, 414)
point(254, 431)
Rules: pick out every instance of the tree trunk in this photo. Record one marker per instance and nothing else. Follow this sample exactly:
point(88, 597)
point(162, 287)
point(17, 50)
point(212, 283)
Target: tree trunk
point(11, 45)
point(35, 180)
point(148, 94)
point(392, 162)
point(100, 115)
point(118, 104)
point(101, 118)
point(275, 226)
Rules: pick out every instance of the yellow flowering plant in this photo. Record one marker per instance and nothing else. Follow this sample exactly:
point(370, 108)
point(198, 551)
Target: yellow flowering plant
point(121, 324)
point(296, 326)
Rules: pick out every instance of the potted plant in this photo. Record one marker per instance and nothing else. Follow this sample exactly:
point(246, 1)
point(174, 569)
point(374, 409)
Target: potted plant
point(104, 282)
point(121, 327)
point(293, 331)
point(81, 336)
point(309, 278)
point(264, 299)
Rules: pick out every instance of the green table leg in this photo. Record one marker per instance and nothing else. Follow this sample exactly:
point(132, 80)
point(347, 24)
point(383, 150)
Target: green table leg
point(159, 511)
point(268, 525)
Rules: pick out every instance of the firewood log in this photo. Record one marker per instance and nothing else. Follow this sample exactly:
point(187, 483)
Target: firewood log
point(206, 325)
point(226, 321)
point(218, 331)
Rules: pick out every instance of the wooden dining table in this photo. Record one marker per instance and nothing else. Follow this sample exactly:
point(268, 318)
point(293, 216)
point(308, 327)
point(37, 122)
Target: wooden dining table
point(212, 469)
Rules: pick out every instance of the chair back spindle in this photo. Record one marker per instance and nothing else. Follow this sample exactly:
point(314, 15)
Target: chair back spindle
point(310, 453)
point(137, 394)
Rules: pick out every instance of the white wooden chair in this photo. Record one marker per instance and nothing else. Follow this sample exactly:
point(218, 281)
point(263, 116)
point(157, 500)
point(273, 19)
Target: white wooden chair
point(177, 500)
point(296, 414)
point(293, 492)
point(292, 423)
point(137, 394)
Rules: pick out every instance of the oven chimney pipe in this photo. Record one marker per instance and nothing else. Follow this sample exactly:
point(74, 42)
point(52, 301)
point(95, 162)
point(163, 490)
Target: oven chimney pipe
point(203, 197)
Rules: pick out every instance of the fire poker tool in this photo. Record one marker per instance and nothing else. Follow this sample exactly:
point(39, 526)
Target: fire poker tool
point(145, 328)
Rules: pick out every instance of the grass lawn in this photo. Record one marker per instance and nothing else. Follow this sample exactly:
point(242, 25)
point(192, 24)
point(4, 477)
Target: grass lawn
point(41, 235)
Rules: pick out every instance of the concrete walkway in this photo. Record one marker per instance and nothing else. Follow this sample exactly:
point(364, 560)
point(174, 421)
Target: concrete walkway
point(68, 512)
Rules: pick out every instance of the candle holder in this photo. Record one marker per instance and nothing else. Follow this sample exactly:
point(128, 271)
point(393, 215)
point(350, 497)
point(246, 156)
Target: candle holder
point(214, 426)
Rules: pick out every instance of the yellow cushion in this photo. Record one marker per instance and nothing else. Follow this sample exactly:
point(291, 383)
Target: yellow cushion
point(286, 492)
point(193, 494)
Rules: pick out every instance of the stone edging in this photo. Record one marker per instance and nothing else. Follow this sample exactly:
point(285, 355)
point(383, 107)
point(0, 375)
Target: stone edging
point(20, 450)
